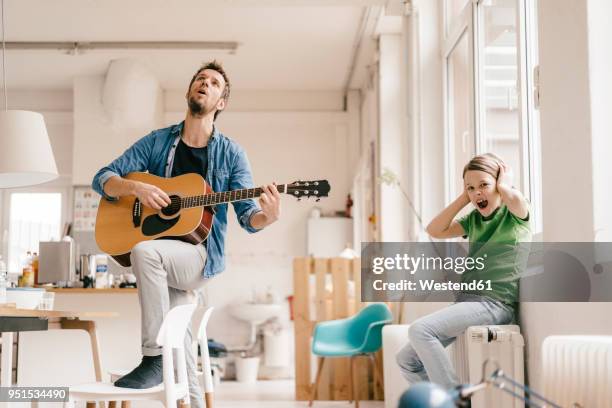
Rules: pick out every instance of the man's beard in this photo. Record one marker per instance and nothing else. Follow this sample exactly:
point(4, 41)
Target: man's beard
point(196, 108)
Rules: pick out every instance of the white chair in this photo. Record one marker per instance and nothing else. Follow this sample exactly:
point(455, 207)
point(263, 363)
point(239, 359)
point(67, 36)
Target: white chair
point(206, 373)
point(171, 337)
point(205, 359)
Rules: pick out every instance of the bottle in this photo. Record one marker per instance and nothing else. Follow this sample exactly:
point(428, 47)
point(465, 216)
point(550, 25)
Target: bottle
point(35, 267)
point(28, 260)
point(27, 276)
point(27, 272)
point(3, 281)
point(349, 206)
point(101, 271)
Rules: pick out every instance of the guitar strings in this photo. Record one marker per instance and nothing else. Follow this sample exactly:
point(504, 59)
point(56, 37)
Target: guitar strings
point(217, 198)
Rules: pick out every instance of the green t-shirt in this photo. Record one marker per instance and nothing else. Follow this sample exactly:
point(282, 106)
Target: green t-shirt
point(505, 240)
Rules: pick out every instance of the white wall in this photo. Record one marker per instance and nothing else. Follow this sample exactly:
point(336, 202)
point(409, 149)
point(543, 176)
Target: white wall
point(565, 123)
point(392, 137)
point(600, 86)
point(97, 139)
point(365, 184)
point(427, 107)
point(575, 68)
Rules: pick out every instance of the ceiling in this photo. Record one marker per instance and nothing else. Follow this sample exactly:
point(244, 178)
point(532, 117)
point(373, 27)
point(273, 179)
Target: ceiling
point(284, 44)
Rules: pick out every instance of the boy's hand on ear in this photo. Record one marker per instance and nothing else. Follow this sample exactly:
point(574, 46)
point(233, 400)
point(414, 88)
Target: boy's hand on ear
point(466, 197)
point(505, 176)
point(511, 196)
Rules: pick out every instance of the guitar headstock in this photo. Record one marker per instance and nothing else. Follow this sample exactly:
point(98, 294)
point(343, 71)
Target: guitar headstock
point(316, 188)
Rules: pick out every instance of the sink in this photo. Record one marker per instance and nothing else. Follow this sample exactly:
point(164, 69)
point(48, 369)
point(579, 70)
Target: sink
point(255, 313)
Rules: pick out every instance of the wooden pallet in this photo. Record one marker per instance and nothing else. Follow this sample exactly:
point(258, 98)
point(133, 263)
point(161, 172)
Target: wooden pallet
point(343, 300)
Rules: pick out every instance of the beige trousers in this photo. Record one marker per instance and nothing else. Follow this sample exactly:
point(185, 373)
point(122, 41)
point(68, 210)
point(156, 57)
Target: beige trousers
point(168, 272)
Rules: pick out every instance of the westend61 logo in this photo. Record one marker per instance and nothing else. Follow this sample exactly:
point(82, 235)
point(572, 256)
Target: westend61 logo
point(412, 264)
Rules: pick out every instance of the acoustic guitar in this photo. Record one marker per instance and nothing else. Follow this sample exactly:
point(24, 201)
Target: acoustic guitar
point(123, 223)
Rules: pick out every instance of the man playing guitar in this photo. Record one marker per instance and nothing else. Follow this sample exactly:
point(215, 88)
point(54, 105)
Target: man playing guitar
point(169, 270)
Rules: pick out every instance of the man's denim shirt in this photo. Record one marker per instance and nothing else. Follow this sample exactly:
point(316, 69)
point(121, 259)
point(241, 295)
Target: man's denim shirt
point(228, 169)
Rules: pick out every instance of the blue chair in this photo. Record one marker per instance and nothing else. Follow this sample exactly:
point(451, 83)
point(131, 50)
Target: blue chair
point(360, 335)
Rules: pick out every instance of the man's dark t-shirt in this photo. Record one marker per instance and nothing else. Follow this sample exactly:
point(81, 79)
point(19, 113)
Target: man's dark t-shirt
point(190, 160)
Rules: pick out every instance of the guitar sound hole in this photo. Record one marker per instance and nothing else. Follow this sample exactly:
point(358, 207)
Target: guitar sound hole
point(173, 208)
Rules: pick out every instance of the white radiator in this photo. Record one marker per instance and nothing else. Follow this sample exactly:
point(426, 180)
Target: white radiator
point(578, 370)
point(503, 344)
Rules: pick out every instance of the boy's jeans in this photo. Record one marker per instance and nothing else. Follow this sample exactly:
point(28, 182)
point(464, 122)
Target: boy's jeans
point(424, 358)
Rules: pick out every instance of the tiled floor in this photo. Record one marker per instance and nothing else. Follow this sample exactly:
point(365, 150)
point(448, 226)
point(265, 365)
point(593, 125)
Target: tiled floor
point(271, 394)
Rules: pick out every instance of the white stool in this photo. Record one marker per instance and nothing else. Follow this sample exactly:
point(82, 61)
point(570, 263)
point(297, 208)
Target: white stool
point(171, 337)
point(202, 340)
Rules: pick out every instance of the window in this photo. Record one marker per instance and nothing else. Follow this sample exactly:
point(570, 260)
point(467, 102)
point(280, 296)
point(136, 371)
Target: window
point(491, 62)
point(33, 217)
point(507, 117)
point(499, 119)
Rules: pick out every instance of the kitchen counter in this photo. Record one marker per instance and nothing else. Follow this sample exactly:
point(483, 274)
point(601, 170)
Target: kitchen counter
point(91, 290)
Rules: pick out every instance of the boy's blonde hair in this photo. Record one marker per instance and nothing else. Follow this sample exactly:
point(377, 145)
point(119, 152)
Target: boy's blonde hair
point(487, 162)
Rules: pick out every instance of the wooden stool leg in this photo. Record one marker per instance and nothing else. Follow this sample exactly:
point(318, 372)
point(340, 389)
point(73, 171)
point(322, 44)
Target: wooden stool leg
point(90, 327)
point(351, 385)
point(354, 381)
point(313, 393)
point(376, 367)
point(125, 404)
point(112, 404)
point(208, 399)
point(91, 405)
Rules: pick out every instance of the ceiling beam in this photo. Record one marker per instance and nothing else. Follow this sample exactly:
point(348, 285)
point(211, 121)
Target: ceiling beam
point(308, 3)
point(75, 47)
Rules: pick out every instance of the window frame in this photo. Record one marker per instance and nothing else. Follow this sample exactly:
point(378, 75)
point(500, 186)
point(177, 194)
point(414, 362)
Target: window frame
point(463, 25)
point(533, 143)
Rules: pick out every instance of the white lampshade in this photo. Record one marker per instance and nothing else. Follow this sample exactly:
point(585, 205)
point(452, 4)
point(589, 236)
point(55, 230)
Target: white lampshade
point(26, 157)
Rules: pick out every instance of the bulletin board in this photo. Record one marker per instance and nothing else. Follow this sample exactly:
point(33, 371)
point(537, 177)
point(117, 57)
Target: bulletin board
point(85, 209)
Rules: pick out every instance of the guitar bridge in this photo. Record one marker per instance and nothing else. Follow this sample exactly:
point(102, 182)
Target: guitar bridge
point(137, 213)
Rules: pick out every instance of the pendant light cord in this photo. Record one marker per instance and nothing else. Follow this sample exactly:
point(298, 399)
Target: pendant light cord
point(4, 62)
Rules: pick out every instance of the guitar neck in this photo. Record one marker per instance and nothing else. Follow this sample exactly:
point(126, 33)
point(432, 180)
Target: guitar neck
point(206, 200)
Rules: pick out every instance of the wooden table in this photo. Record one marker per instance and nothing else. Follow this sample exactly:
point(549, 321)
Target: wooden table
point(18, 320)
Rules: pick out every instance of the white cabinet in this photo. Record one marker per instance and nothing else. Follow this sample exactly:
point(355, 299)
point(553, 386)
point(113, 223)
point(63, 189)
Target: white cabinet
point(328, 236)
